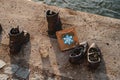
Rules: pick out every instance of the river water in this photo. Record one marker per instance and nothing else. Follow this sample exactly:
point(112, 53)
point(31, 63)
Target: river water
point(110, 8)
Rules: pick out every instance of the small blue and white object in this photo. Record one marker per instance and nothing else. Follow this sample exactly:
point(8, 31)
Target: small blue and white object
point(68, 39)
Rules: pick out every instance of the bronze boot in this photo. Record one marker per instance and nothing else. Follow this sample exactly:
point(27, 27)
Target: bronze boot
point(54, 23)
point(17, 39)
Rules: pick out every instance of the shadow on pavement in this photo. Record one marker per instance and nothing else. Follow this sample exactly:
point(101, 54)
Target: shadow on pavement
point(20, 63)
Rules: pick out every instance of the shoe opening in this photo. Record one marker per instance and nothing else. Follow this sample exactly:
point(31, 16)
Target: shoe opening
point(49, 12)
point(14, 31)
point(78, 51)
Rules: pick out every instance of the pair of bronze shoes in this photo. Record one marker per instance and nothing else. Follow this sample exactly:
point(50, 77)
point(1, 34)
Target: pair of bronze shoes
point(92, 54)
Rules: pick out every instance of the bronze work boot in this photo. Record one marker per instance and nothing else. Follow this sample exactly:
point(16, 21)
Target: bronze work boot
point(17, 39)
point(93, 56)
point(54, 23)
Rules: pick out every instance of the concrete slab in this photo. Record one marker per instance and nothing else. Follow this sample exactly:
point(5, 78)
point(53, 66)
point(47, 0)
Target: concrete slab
point(43, 53)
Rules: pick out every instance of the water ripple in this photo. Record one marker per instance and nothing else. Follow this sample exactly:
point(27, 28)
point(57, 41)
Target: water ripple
point(110, 8)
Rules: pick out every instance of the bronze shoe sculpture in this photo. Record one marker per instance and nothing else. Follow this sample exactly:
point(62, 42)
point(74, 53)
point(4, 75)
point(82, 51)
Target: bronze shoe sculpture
point(78, 53)
point(54, 23)
point(93, 56)
point(17, 39)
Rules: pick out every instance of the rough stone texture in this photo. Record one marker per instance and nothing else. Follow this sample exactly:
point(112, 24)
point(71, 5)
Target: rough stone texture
point(49, 78)
point(2, 64)
point(43, 53)
point(11, 69)
point(22, 73)
point(4, 77)
point(37, 76)
point(14, 79)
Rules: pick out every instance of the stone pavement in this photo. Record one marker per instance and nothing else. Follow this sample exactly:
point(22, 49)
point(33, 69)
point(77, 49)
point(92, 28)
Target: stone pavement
point(22, 73)
point(41, 57)
point(4, 77)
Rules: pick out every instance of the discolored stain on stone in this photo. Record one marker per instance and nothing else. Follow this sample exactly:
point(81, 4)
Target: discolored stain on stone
point(107, 44)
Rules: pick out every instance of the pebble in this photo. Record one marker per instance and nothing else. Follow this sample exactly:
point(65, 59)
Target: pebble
point(2, 64)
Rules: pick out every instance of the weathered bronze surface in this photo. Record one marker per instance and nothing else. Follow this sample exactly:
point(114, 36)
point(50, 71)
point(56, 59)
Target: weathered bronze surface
point(17, 39)
point(93, 56)
point(78, 54)
point(54, 23)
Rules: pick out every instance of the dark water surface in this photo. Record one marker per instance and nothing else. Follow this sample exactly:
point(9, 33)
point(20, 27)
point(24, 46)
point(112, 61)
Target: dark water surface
point(110, 8)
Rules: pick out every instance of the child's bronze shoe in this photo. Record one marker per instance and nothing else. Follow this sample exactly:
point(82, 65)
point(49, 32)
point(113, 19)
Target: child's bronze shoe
point(78, 53)
point(93, 56)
